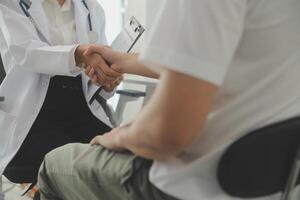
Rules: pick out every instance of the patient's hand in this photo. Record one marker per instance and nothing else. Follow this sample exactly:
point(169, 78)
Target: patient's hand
point(112, 140)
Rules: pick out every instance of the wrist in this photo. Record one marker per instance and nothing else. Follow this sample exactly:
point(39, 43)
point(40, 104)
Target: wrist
point(123, 62)
point(123, 138)
point(79, 57)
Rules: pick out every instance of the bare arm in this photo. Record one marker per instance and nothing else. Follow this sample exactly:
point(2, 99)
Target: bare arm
point(128, 64)
point(171, 120)
point(122, 62)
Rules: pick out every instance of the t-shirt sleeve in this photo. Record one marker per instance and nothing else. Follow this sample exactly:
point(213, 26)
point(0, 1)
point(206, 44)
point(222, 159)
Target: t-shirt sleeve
point(196, 37)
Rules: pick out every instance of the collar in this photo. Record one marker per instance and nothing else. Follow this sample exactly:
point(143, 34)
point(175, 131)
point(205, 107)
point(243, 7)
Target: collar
point(66, 6)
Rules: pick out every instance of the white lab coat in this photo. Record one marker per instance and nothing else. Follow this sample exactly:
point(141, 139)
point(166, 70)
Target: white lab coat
point(30, 63)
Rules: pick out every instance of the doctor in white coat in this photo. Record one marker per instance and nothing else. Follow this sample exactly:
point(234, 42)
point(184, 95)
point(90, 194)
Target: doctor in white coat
point(38, 52)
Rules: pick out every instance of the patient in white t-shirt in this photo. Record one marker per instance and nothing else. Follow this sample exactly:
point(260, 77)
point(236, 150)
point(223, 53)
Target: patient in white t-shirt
point(226, 67)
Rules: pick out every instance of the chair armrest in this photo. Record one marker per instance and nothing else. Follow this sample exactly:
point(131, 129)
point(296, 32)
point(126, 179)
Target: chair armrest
point(131, 93)
point(125, 97)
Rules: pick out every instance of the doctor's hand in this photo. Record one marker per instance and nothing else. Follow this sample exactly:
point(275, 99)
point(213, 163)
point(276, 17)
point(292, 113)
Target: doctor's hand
point(100, 69)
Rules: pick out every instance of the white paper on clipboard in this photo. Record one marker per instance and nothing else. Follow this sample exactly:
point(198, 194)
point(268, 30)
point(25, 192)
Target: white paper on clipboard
point(131, 33)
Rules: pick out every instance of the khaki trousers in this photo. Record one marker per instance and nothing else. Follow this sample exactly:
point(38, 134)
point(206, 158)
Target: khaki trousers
point(85, 172)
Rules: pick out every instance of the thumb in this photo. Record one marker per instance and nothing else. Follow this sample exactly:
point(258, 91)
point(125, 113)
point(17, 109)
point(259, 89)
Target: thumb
point(91, 50)
point(104, 51)
point(94, 141)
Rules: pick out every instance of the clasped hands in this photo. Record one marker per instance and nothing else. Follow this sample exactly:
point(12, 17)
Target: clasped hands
point(106, 67)
point(100, 65)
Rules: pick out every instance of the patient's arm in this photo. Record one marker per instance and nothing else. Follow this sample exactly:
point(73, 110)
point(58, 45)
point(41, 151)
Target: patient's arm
point(122, 62)
point(170, 121)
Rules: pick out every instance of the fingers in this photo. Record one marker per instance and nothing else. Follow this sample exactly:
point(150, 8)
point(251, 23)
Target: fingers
point(101, 67)
point(118, 81)
point(91, 50)
point(100, 80)
point(109, 55)
point(95, 140)
point(87, 70)
point(91, 72)
point(99, 70)
point(97, 66)
point(117, 68)
point(113, 85)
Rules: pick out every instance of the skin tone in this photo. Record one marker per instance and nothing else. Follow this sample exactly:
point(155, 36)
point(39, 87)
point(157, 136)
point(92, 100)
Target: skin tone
point(159, 132)
point(61, 2)
point(121, 62)
point(97, 69)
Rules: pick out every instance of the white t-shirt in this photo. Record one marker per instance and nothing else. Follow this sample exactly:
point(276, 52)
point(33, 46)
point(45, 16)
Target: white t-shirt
point(251, 50)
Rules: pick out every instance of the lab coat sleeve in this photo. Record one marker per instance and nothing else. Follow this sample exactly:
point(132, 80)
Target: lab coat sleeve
point(30, 52)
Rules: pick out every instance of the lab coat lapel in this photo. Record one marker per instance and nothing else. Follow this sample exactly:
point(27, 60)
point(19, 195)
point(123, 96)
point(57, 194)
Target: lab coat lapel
point(81, 19)
point(36, 10)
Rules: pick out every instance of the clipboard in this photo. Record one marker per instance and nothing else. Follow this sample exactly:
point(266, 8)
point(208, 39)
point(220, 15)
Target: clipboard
point(128, 37)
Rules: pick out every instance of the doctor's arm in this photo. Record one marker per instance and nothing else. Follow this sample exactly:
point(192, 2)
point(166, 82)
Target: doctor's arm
point(171, 120)
point(30, 52)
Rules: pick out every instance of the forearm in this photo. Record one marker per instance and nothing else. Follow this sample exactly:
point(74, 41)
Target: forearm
point(130, 65)
point(170, 122)
point(152, 134)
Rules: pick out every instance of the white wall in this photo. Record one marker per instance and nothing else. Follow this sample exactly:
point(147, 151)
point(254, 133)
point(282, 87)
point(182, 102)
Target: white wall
point(114, 21)
point(136, 8)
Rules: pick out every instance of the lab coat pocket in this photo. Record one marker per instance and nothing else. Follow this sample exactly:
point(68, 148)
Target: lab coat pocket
point(7, 127)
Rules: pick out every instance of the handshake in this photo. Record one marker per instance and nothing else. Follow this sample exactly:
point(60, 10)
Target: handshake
point(101, 64)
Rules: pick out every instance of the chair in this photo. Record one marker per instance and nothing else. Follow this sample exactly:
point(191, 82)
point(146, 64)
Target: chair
point(264, 162)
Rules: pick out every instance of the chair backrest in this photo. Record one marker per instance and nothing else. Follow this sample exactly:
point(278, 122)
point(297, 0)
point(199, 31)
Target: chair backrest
point(259, 164)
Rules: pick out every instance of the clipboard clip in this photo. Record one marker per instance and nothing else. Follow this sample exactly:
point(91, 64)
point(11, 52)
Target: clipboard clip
point(137, 27)
point(128, 37)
